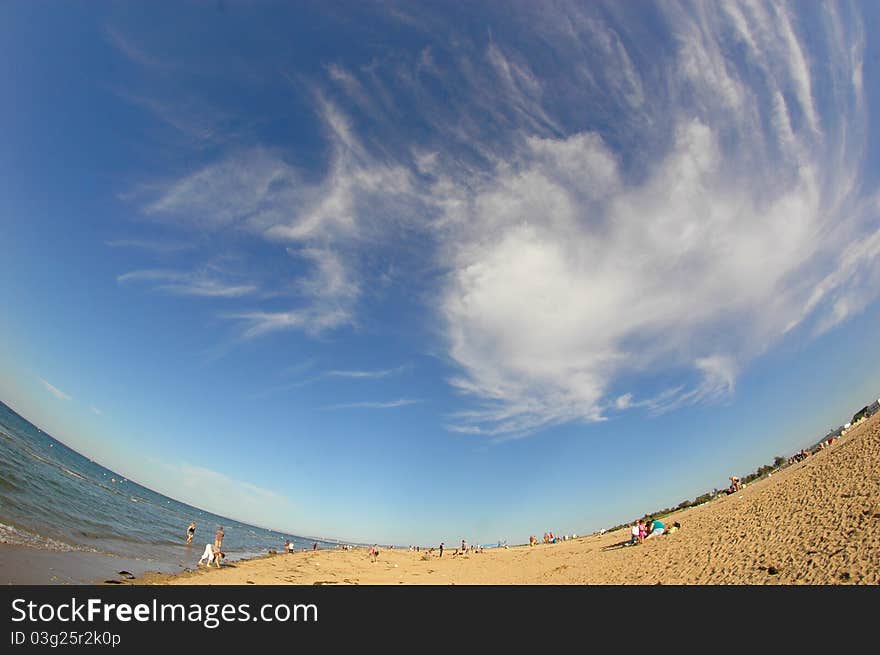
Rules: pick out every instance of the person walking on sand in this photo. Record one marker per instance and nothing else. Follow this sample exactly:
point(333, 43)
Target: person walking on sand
point(190, 532)
point(441, 549)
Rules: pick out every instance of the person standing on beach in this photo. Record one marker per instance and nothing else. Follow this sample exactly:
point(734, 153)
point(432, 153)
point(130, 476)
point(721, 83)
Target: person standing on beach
point(190, 532)
point(218, 540)
point(441, 549)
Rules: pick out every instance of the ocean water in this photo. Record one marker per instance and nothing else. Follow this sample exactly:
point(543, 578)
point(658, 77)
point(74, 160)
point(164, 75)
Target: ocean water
point(54, 499)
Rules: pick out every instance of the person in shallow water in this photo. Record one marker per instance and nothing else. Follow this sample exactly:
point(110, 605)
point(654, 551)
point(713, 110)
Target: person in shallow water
point(190, 532)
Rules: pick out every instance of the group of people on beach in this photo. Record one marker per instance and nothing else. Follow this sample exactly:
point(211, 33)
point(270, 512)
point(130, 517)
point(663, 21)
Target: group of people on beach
point(550, 538)
point(641, 530)
point(213, 553)
point(735, 485)
point(799, 456)
point(290, 547)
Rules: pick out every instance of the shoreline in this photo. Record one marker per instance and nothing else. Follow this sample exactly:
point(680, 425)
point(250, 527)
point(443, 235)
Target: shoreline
point(25, 565)
point(813, 522)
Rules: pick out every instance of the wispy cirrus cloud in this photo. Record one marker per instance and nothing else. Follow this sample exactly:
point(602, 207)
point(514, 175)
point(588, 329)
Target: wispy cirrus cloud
point(382, 373)
point(201, 124)
point(188, 283)
point(198, 478)
point(55, 391)
point(392, 404)
point(134, 51)
point(315, 377)
point(326, 224)
point(311, 320)
point(229, 496)
point(162, 247)
point(613, 207)
point(568, 273)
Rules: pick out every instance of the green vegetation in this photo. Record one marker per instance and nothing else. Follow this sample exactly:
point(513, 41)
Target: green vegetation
point(862, 413)
point(778, 462)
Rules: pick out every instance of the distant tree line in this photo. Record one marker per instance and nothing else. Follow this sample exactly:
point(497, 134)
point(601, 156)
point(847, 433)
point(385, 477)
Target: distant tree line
point(778, 462)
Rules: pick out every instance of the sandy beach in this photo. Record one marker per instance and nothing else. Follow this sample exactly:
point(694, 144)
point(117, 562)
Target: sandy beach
point(814, 522)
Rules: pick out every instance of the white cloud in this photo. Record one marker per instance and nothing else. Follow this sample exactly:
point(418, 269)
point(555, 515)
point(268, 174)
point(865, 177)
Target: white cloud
point(188, 284)
point(55, 391)
point(146, 244)
point(671, 209)
point(365, 374)
point(624, 401)
point(223, 495)
point(134, 51)
point(252, 188)
point(851, 285)
point(313, 321)
point(328, 222)
point(96, 411)
point(565, 276)
point(402, 402)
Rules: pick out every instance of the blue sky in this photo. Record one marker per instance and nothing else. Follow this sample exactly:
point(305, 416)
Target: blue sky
point(411, 273)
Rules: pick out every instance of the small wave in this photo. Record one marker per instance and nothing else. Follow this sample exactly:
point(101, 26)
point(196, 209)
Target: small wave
point(74, 474)
point(17, 537)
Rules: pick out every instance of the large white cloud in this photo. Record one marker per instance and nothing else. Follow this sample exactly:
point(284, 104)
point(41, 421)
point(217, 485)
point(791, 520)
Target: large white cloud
point(604, 208)
point(566, 277)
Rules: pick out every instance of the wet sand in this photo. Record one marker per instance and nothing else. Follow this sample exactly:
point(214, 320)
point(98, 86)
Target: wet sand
point(22, 565)
point(815, 522)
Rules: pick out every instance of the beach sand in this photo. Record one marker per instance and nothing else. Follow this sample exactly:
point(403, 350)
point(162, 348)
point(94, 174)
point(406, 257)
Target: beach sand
point(815, 522)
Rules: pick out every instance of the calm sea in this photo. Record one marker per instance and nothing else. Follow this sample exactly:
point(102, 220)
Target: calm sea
point(52, 498)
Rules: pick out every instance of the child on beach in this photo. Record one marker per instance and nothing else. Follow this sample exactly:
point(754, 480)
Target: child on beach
point(634, 533)
point(190, 532)
point(643, 531)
